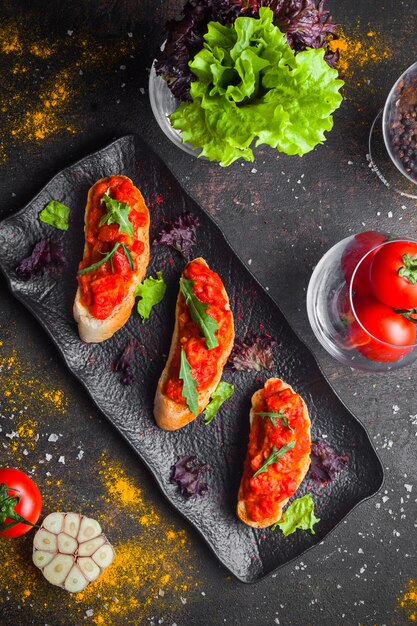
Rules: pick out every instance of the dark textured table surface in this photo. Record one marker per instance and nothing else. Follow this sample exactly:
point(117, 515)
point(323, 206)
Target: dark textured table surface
point(73, 79)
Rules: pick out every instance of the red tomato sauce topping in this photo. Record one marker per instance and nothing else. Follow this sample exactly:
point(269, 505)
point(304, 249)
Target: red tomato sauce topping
point(104, 288)
point(263, 494)
point(208, 288)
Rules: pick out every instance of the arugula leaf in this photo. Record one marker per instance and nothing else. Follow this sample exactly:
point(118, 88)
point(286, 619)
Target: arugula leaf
point(198, 310)
point(151, 291)
point(274, 457)
point(117, 213)
point(250, 86)
point(189, 385)
point(300, 514)
point(106, 258)
point(55, 214)
point(128, 256)
point(274, 416)
point(109, 257)
point(221, 394)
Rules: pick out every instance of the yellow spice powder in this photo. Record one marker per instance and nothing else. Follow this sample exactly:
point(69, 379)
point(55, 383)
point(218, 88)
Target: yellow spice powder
point(408, 602)
point(358, 51)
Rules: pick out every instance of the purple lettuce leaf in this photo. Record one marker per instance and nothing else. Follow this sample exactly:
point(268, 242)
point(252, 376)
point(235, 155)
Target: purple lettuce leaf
point(325, 462)
point(182, 235)
point(46, 254)
point(304, 23)
point(124, 363)
point(187, 477)
point(252, 353)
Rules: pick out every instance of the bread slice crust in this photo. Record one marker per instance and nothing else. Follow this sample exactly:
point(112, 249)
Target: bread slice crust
point(171, 415)
point(91, 329)
point(303, 465)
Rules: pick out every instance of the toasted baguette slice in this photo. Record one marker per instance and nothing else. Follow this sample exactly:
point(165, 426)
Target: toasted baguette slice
point(170, 415)
point(300, 469)
point(91, 329)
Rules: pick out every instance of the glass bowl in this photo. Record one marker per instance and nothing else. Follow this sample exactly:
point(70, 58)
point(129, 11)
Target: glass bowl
point(399, 123)
point(163, 103)
point(331, 308)
point(393, 137)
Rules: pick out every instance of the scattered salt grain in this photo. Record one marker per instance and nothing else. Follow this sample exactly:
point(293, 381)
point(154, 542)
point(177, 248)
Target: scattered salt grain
point(61, 460)
point(389, 213)
point(408, 487)
point(80, 455)
point(89, 613)
point(48, 457)
point(53, 437)
point(254, 170)
point(395, 408)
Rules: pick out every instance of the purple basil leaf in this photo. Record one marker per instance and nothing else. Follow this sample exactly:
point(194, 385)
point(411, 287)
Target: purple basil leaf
point(325, 462)
point(305, 23)
point(182, 235)
point(188, 478)
point(252, 353)
point(45, 254)
point(124, 363)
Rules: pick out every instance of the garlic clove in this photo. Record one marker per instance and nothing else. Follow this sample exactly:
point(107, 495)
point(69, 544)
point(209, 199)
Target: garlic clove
point(41, 558)
point(75, 581)
point(89, 547)
point(90, 569)
point(46, 541)
point(54, 522)
point(104, 555)
point(72, 524)
point(58, 569)
point(89, 529)
point(67, 544)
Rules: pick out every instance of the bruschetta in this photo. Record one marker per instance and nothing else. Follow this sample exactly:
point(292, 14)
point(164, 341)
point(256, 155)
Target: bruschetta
point(278, 454)
point(116, 255)
point(201, 344)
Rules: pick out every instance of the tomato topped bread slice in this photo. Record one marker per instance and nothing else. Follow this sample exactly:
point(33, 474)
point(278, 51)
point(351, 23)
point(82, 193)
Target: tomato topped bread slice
point(116, 255)
point(278, 454)
point(201, 343)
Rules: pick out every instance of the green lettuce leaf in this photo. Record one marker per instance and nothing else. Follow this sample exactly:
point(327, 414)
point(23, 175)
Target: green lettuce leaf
point(300, 514)
point(151, 292)
point(252, 87)
point(55, 214)
point(222, 393)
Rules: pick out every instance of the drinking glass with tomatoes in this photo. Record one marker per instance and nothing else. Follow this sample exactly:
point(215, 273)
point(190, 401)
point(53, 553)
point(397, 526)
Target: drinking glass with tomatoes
point(362, 301)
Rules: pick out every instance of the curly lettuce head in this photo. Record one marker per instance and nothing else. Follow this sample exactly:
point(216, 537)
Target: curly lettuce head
point(250, 86)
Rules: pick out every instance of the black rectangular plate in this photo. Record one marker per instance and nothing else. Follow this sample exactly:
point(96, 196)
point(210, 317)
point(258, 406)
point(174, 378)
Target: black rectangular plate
point(249, 554)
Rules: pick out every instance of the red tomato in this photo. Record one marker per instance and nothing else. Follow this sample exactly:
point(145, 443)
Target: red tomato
point(30, 505)
point(354, 252)
point(383, 323)
point(388, 286)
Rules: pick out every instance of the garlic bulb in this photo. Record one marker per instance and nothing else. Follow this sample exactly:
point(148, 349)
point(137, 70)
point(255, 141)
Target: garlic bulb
point(71, 551)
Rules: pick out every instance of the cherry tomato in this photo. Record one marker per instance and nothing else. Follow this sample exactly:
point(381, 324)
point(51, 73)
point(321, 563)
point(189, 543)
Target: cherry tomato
point(19, 485)
point(354, 252)
point(393, 275)
point(385, 324)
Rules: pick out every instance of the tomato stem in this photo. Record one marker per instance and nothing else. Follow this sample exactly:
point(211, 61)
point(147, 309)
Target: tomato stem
point(409, 269)
point(408, 314)
point(8, 504)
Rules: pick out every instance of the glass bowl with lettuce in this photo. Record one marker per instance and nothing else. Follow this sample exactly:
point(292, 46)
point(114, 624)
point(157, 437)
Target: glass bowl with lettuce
point(221, 87)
